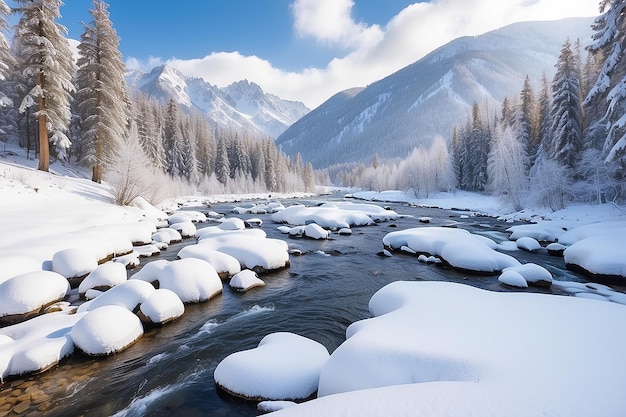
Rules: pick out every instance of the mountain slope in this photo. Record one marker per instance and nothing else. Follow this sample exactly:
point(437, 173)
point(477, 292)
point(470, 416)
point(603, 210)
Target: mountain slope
point(242, 106)
point(427, 98)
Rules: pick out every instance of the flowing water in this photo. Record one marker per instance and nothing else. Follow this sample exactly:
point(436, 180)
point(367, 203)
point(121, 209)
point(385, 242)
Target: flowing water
point(169, 371)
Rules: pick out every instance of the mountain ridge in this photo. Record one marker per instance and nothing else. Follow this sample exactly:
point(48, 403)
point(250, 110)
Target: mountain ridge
point(410, 107)
point(242, 106)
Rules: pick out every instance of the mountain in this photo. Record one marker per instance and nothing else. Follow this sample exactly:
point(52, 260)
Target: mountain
point(242, 105)
point(427, 98)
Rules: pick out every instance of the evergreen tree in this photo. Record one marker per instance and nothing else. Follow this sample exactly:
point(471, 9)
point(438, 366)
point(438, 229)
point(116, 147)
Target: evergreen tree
point(222, 166)
point(507, 168)
point(6, 58)
point(173, 141)
point(544, 120)
point(566, 114)
point(527, 120)
point(102, 91)
point(609, 41)
point(478, 150)
point(45, 57)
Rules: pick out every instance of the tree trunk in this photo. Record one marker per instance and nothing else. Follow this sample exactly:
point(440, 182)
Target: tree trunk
point(44, 147)
point(97, 169)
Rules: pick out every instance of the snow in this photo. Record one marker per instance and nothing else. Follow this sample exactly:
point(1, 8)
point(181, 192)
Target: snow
point(162, 306)
point(128, 295)
point(106, 330)
point(104, 276)
point(512, 278)
point(458, 247)
point(601, 255)
point(245, 280)
point(333, 216)
point(315, 231)
point(528, 243)
point(73, 262)
point(400, 362)
point(192, 280)
point(30, 291)
point(284, 366)
point(225, 264)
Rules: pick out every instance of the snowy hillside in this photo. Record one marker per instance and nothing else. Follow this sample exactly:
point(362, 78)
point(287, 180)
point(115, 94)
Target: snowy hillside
point(242, 106)
point(427, 98)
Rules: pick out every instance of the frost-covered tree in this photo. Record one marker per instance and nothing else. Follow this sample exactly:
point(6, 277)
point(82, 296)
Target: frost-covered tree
point(102, 93)
point(507, 168)
point(609, 41)
point(544, 122)
point(527, 120)
point(45, 56)
point(173, 140)
point(566, 114)
point(222, 165)
point(478, 150)
point(6, 58)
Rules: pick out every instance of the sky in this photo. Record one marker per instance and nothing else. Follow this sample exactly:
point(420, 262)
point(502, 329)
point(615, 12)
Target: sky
point(304, 50)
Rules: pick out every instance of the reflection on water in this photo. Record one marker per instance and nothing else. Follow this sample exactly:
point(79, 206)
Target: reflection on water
point(169, 371)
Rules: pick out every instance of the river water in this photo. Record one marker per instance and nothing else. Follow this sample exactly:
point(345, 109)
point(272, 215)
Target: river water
point(169, 371)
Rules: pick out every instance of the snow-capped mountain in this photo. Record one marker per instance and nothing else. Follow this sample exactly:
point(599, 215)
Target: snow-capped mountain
point(427, 98)
point(242, 105)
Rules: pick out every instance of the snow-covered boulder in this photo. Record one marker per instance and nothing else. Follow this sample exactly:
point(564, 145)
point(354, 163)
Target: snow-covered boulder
point(315, 231)
point(186, 228)
point(174, 234)
point(162, 237)
point(106, 330)
point(25, 295)
point(129, 295)
point(73, 263)
point(601, 256)
point(193, 280)
point(556, 249)
point(533, 274)
point(457, 247)
point(245, 280)
point(37, 344)
point(225, 265)
point(104, 277)
point(232, 223)
point(328, 216)
point(510, 277)
point(528, 244)
point(162, 306)
point(150, 271)
point(251, 248)
point(284, 366)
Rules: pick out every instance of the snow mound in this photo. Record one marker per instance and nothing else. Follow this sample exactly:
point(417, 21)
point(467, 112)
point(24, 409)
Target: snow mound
point(129, 295)
point(284, 366)
point(73, 262)
point(327, 216)
point(104, 277)
point(162, 306)
point(232, 223)
point(225, 265)
point(150, 271)
point(28, 293)
point(490, 354)
point(192, 280)
point(533, 274)
point(512, 278)
point(245, 280)
point(13, 265)
point(185, 228)
point(106, 330)
point(458, 247)
point(602, 255)
point(315, 231)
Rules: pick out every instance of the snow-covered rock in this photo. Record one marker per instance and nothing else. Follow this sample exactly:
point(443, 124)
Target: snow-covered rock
point(225, 265)
point(26, 294)
point(284, 366)
point(232, 223)
point(104, 277)
point(73, 263)
point(512, 278)
point(162, 306)
point(458, 247)
point(106, 330)
point(601, 255)
point(245, 280)
point(129, 295)
point(533, 274)
point(150, 271)
point(556, 249)
point(174, 234)
point(327, 216)
point(192, 280)
point(528, 243)
point(185, 228)
point(315, 231)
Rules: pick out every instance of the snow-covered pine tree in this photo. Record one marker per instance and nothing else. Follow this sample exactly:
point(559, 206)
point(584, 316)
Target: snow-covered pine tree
point(173, 141)
point(566, 114)
point(148, 120)
point(6, 58)
point(507, 165)
point(544, 105)
point(45, 57)
point(102, 93)
point(478, 150)
point(527, 121)
point(222, 165)
point(609, 41)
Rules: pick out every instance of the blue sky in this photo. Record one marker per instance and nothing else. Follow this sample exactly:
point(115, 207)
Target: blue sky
point(305, 50)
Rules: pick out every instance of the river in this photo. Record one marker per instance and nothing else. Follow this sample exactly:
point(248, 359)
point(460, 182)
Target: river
point(169, 371)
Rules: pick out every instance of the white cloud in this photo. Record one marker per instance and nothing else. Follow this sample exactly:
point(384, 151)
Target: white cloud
point(372, 52)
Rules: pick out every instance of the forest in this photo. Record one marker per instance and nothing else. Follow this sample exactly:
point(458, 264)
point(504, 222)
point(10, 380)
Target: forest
point(81, 111)
point(561, 142)
point(557, 142)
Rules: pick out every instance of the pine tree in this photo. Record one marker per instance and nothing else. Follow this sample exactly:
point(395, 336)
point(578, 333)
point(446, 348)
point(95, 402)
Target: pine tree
point(544, 120)
point(45, 56)
point(6, 58)
point(567, 135)
point(526, 118)
point(222, 165)
point(609, 40)
point(478, 150)
point(173, 141)
point(102, 91)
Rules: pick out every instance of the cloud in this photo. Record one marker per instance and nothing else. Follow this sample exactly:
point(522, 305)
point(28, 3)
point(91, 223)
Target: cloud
point(372, 52)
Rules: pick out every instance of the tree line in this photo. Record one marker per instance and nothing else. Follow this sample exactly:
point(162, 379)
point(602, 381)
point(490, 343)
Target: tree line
point(81, 110)
point(562, 142)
